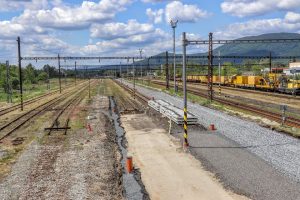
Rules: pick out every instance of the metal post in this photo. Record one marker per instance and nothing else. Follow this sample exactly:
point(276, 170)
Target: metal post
point(127, 69)
point(121, 72)
point(148, 70)
point(20, 73)
point(8, 88)
point(75, 72)
point(133, 78)
point(210, 68)
point(59, 73)
point(270, 62)
point(219, 73)
point(174, 24)
point(184, 44)
point(48, 70)
point(167, 71)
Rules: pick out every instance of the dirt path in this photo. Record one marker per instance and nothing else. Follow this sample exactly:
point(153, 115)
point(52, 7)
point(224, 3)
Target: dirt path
point(167, 172)
point(81, 165)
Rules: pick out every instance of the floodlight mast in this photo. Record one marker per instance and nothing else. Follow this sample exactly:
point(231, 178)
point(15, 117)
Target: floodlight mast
point(174, 25)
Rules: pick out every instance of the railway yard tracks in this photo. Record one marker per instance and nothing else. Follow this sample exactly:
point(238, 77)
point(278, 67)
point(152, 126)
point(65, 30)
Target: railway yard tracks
point(135, 93)
point(290, 121)
point(69, 98)
point(245, 90)
point(65, 110)
point(9, 109)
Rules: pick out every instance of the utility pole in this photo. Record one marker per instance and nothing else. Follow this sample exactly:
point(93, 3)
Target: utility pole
point(219, 74)
point(8, 88)
point(210, 68)
point(167, 71)
point(185, 125)
point(48, 84)
point(59, 73)
point(127, 76)
point(148, 70)
point(270, 62)
point(133, 78)
point(173, 25)
point(75, 72)
point(20, 72)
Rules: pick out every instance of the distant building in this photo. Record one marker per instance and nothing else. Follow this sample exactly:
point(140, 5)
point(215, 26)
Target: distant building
point(294, 67)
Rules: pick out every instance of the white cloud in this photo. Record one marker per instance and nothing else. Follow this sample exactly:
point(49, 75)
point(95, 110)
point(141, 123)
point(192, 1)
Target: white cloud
point(184, 12)
point(66, 17)
point(12, 5)
point(290, 23)
point(120, 30)
point(155, 16)
point(243, 8)
point(292, 17)
point(128, 43)
point(11, 29)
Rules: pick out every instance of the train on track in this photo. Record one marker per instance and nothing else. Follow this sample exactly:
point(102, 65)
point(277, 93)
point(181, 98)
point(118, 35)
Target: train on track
point(269, 82)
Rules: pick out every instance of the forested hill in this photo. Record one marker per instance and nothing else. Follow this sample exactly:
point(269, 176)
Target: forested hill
point(264, 49)
point(259, 49)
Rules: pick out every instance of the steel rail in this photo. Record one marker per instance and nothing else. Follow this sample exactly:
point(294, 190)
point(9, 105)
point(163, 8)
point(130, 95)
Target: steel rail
point(77, 98)
point(290, 121)
point(27, 102)
point(24, 118)
point(246, 90)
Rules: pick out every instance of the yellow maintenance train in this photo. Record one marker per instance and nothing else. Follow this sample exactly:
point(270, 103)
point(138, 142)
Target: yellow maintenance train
point(268, 82)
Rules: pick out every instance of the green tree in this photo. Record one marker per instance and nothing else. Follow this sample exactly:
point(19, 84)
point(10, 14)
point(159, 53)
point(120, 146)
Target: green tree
point(30, 74)
point(43, 76)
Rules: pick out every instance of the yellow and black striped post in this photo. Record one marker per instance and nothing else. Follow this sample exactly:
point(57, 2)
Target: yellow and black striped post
point(185, 135)
point(185, 125)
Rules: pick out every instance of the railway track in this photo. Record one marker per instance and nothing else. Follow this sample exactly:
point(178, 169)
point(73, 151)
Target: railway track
point(272, 94)
point(28, 102)
point(135, 93)
point(7, 110)
point(10, 127)
point(290, 121)
point(58, 119)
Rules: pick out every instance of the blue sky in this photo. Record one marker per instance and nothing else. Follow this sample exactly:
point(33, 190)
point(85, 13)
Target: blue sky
point(110, 27)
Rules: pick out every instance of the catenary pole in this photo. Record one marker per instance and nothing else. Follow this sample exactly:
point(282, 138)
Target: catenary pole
point(185, 125)
point(173, 25)
point(59, 73)
point(20, 72)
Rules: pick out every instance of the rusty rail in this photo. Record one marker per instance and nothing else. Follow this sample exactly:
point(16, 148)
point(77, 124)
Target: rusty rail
point(290, 121)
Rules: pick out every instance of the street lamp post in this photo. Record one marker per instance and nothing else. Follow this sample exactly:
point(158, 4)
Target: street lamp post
point(174, 25)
